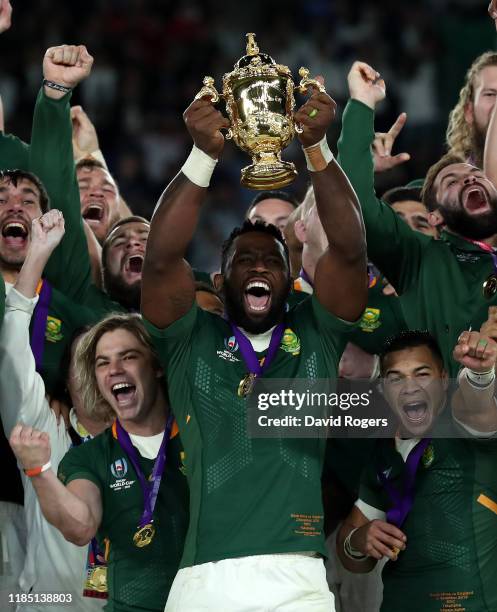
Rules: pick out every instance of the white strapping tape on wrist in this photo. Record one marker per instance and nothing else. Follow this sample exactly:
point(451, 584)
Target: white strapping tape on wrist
point(199, 167)
point(318, 156)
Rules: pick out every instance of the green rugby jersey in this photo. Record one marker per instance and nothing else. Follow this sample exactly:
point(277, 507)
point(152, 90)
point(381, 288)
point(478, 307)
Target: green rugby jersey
point(451, 554)
point(439, 282)
point(248, 496)
point(139, 579)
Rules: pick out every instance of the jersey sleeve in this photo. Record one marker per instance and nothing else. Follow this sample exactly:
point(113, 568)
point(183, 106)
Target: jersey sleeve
point(393, 246)
point(371, 492)
point(22, 391)
point(51, 159)
point(79, 463)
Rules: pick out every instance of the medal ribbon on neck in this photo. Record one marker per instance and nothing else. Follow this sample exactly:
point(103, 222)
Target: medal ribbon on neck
point(44, 290)
point(303, 275)
point(403, 501)
point(249, 355)
point(150, 488)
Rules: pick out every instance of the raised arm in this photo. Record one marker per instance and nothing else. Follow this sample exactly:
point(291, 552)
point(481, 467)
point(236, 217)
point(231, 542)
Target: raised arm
point(340, 281)
point(392, 245)
point(22, 391)
point(168, 286)
point(473, 403)
point(51, 159)
point(75, 510)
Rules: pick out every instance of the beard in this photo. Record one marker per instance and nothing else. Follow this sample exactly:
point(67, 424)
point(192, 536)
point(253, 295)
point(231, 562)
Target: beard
point(233, 304)
point(127, 295)
point(477, 227)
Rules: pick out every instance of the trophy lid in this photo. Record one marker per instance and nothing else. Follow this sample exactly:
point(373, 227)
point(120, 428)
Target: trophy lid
point(253, 51)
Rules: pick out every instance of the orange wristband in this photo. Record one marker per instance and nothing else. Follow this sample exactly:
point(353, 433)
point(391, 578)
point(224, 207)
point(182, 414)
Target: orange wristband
point(37, 470)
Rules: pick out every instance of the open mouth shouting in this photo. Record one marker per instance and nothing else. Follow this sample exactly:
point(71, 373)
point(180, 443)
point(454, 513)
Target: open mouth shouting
point(94, 212)
point(416, 412)
point(15, 233)
point(475, 200)
point(132, 269)
point(257, 297)
point(124, 393)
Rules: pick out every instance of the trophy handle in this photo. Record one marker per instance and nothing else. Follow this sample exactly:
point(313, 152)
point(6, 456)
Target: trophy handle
point(229, 134)
point(208, 89)
point(306, 82)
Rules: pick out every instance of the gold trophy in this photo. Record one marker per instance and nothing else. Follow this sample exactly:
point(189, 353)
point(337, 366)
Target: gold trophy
point(259, 96)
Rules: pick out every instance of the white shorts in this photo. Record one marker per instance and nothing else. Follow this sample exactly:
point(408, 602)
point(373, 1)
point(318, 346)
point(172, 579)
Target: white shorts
point(260, 583)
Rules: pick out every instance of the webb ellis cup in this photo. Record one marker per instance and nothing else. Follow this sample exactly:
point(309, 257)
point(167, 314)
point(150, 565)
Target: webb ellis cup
point(259, 96)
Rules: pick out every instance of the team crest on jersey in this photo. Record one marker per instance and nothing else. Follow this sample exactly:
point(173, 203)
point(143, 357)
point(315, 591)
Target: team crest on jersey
point(290, 342)
point(231, 344)
point(119, 468)
point(428, 456)
point(370, 319)
point(53, 329)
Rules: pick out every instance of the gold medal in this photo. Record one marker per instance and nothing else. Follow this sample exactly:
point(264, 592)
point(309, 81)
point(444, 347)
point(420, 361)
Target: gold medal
point(490, 287)
point(246, 384)
point(144, 535)
point(96, 579)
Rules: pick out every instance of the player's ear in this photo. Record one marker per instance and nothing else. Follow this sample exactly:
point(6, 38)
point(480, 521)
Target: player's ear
point(218, 281)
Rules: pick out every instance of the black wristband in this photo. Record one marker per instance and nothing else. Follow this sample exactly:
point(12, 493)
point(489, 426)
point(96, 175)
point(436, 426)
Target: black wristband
point(56, 86)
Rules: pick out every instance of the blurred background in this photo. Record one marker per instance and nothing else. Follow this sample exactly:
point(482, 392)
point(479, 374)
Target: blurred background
point(151, 57)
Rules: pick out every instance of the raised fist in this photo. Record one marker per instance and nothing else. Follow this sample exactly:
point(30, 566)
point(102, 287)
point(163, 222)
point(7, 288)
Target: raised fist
point(365, 84)
point(204, 123)
point(47, 231)
point(5, 15)
point(30, 446)
point(475, 351)
point(315, 116)
point(67, 65)
point(84, 134)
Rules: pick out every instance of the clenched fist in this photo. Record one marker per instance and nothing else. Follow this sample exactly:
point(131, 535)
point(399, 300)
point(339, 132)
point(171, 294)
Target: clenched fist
point(30, 446)
point(66, 65)
point(47, 231)
point(204, 124)
point(315, 117)
point(475, 351)
point(379, 539)
point(84, 134)
point(365, 84)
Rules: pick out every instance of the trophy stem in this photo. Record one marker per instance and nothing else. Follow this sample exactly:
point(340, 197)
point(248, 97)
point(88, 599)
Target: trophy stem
point(268, 171)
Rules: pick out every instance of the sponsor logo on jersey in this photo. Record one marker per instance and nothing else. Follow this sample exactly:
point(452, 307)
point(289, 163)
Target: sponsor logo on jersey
point(231, 344)
point(370, 319)
point(227, 354)
point(53, 329)
point(428, 456)
point(290, 342)
point(119, 468)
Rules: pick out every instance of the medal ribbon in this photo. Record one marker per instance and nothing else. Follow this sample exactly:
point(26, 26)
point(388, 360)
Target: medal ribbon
point(150, 488)
point(487, 248)
point(403, 502)
point(303, 274)
point(40, 323)
point(250, 356)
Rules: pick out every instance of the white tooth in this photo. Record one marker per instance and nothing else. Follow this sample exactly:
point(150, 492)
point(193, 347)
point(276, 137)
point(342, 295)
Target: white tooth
point(258, 284)
point(120, 386)
point(15, 225)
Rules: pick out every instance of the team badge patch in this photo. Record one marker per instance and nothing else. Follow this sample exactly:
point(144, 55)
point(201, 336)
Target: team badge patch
point(53, 329)
point(370, 319)
point(290, 342)
point(231, 344)
point(428, 456)
point(119, 468)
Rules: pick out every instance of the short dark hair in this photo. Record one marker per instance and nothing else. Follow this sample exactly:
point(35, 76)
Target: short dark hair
point(411, 338)
point(90, 162)
point(14, 176)
point(402, 194)
point(275, 194)
point(246, 228)
point(428, 192)
point(118, 223)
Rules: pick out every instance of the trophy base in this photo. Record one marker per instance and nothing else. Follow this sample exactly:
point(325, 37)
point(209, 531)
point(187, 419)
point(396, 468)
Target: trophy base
point(269, 175)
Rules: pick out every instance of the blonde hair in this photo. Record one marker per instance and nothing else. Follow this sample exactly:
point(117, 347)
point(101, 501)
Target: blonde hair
point(84, 360)
point(460, 134)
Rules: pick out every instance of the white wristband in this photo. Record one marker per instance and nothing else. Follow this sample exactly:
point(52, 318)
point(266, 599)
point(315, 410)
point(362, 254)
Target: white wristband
point(350, 552)
point(480, 380)
point(199, 167)
point(318, 156)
